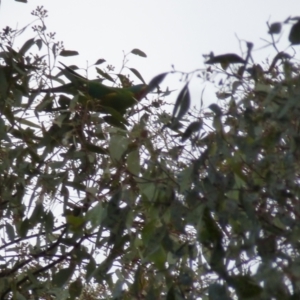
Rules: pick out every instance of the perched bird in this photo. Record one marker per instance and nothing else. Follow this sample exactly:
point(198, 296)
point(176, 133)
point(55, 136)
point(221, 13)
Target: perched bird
point(118, 99)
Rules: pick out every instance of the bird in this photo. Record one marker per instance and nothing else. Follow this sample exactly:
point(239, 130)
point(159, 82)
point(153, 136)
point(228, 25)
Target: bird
point(118, 99)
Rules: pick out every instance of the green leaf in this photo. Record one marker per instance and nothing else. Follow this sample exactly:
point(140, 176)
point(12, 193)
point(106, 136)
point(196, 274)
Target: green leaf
point(96, 215)
point(75, 288)
point(138, 52)
point(117, 146)
point(158, 257)
point(49, 221)
point(245, 286)
point(46, 104)
point(62, 276)
point(76, 185)
point(90, 269)
point(60, 119)
point(3, 133)
point(37, 214)
point(96, 149)
point(18, 95)
point(19, 296)
point(217, 291)
point(3, 83)
point(185, 178)
point(10, 231)
point(26, 122)
point(133, 162)
point(294, 36)
point(68, 53)
point(110, 120)
point(171, 294)
point(23, 227)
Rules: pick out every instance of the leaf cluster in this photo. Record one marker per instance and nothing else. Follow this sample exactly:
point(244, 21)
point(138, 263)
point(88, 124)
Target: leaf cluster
point(194, 203)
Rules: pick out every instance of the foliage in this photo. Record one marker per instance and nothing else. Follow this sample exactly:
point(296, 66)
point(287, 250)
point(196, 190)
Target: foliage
point(197, 204)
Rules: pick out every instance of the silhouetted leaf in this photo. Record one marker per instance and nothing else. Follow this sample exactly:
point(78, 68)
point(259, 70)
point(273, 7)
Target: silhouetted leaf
point(96, 149)
point(23, 227)
point(182, 104)
point(39, 43)
point(156, 81)
point(137, 74)
point(27, 45)
point(66, 53)
point(138, 52)
point(294, 36)
point(216, 109)
point(275, 28)
point(3, 82)
point(100, 61)
point(104, 74)
point(193, 127)
point(10, 231)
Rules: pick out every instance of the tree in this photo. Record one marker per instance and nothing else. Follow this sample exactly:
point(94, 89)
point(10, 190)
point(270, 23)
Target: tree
point(149, 205)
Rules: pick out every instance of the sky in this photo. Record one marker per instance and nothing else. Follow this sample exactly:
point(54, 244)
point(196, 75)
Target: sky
point(170, 32)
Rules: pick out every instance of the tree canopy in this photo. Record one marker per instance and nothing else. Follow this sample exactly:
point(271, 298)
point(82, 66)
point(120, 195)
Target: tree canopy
point(144, 202)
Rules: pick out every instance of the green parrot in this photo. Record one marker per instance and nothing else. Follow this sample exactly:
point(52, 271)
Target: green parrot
point(118, 99)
